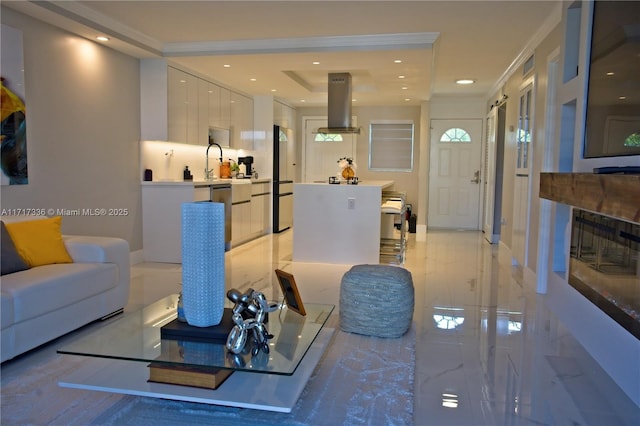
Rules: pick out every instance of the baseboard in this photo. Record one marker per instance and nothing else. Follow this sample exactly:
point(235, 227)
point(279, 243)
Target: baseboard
point(504, 253)
point(112, 314)
point(136, 257)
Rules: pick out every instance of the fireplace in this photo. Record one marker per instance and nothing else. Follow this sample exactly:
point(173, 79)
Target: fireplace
point(604, 266)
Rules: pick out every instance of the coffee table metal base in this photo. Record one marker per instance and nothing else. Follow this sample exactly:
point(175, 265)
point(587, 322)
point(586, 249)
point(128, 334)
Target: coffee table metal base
point(270, 392)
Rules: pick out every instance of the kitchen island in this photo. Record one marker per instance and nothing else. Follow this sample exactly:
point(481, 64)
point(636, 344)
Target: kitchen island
point(337, 223)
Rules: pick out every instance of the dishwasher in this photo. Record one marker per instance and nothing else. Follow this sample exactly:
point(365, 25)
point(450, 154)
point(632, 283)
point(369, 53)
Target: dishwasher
point(218, 193)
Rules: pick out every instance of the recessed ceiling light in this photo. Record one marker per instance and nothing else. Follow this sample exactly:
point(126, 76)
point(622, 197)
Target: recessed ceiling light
point(253, 79)
point(102, 38)
point(227, 66)
point(316, 63)
point(404, 87)
point(302, 100)
point(611, 73)
point(273, 90)
point(401, 76)
point(465, 81)
point(622, 98)
point(398, 61)
point(407, 99)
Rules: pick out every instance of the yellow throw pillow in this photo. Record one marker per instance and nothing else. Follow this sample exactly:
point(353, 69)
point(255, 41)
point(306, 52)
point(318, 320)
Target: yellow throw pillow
point(39, 242)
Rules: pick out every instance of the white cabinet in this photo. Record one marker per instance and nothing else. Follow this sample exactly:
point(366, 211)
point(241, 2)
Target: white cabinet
point(251, 207)
point(260, 208)
point(283, 115)
point(240, 213)
point(241, 122)
point(177, 106)
point(219, 106)
point(215, 111)
point(182, 94)
point(240, 222)
point(204, 93)
point(225, 108)
point(162, 219)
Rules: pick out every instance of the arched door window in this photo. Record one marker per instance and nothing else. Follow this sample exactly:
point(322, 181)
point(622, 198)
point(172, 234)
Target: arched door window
point(455, 135)
point(632, 140)
point(327, 137)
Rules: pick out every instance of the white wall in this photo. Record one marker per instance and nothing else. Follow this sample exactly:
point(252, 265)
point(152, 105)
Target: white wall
point(608, 343)
point(515, 188)
point(404, 181)
point(167, 160)
point(83, 127)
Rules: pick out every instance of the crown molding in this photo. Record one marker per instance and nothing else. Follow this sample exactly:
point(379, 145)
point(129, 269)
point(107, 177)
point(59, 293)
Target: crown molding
point(303, 44)
point(545, 29)
point(98, 21)
point(85, 21)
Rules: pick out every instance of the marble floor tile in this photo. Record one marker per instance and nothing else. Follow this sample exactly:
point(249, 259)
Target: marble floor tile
point(488, 350)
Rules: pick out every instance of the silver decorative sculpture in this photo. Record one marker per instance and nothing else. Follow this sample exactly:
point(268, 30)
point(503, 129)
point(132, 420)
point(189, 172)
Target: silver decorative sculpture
point(249, 314)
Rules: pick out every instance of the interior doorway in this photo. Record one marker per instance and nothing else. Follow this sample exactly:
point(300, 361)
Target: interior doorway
point(493, 172)
point(454, 174)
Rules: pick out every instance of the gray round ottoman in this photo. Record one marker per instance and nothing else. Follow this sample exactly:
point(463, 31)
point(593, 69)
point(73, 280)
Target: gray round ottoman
point(376, 300)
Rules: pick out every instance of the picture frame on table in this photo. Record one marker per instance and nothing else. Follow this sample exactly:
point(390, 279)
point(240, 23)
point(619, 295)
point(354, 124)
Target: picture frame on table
point(290, 292)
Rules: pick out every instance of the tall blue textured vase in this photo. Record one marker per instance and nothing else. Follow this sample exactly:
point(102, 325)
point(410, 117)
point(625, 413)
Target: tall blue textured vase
point(203, 284)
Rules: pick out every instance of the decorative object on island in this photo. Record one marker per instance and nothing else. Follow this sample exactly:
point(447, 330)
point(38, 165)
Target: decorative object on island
point(249, 314)
point(290, 292)
point(348, 167)
point(203, 276)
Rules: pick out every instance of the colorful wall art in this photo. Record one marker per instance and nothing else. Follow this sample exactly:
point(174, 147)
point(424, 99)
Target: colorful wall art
point(13, 119)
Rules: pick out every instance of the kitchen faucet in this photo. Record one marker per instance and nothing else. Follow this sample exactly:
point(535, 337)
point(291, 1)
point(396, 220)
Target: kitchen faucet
point(207, 171)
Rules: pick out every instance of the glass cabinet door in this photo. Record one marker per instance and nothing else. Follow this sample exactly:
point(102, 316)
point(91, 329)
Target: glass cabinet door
point(524, 135)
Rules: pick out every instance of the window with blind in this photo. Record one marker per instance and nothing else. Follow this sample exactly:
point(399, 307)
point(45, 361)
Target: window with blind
point(391, 146)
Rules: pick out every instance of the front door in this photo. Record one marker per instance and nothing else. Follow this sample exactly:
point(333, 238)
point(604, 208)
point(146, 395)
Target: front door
point(454, 174)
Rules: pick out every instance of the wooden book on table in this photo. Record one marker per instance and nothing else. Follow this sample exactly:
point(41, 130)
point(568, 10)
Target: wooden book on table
point(200, 377)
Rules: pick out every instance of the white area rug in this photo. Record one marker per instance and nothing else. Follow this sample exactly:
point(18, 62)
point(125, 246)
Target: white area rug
point(359, 381)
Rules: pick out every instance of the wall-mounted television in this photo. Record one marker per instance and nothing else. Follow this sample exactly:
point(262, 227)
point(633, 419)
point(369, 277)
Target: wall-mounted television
point(613, 93)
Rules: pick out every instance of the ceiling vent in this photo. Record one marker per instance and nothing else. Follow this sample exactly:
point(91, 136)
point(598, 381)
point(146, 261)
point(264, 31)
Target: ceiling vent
point(339, 105)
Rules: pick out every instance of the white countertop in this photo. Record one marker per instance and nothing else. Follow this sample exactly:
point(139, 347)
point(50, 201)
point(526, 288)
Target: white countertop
point(379, 183)
point(169, 182)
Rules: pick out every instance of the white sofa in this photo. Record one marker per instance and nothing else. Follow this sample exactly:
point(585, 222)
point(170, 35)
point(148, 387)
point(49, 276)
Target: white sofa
point(46, 302)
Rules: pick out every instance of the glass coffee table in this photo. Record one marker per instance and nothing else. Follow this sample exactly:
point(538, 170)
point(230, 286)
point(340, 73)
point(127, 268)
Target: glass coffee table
point(120, 354)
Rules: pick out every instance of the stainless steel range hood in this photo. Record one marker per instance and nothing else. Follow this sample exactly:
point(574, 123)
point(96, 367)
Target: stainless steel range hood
point(339, 108)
